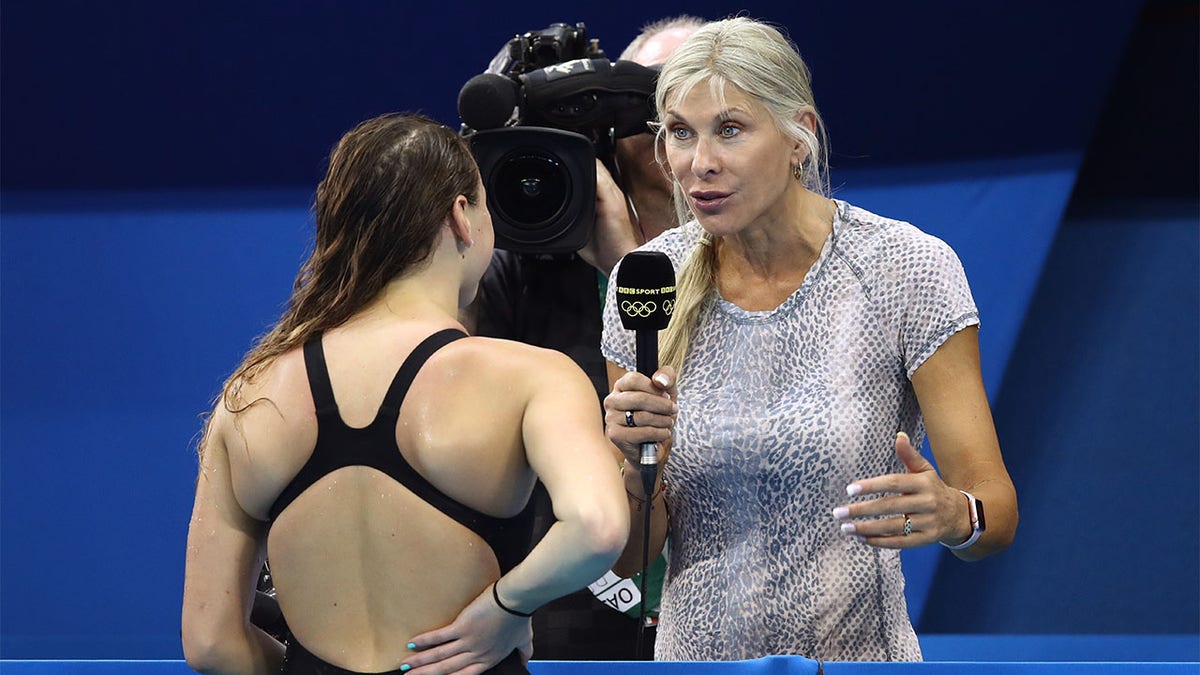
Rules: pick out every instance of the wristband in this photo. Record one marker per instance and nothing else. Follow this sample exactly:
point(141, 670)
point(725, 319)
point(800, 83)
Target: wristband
point(496, 597)
point(662, 486)
point(978, 524)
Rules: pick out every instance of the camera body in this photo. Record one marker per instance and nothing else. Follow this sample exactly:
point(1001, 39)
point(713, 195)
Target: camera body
point(549, 105)
point(555, 44)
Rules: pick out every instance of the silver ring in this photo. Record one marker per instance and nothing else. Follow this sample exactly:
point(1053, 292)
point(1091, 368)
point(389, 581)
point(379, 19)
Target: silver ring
point(629, 419)
point(907, 525)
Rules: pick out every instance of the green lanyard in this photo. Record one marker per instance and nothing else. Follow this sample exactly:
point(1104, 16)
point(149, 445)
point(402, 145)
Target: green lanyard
point(602, 284)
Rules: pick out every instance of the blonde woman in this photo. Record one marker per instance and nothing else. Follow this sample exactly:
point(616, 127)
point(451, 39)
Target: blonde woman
point(813, 346)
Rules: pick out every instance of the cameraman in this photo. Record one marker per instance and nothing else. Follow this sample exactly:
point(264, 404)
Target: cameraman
point(555, 302)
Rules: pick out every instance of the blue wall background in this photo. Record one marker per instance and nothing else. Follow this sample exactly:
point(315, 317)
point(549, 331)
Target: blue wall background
point(157, 161)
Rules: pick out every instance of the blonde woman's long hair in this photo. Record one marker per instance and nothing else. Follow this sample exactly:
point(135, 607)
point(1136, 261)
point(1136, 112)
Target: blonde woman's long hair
point(760, 61)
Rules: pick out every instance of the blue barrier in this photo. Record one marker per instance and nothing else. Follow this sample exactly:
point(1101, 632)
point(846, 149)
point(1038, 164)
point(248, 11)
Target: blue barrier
point(774, 665)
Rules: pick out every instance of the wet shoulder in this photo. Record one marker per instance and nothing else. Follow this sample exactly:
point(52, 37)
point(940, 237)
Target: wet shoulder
point(268, 427)
point(506, 361)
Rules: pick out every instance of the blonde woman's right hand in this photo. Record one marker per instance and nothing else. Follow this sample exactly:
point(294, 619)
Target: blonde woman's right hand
point(640, 410)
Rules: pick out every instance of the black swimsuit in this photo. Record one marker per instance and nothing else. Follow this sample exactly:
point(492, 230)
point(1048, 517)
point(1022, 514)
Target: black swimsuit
point(300, 661)
point(339, 446)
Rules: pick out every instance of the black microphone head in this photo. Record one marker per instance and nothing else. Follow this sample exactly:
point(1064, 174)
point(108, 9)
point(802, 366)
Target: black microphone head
point(645, 290)
point(487, 100)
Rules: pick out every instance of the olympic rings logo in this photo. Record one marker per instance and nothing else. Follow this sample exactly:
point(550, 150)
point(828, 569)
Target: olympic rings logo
point(637, 308)
point(668, 306)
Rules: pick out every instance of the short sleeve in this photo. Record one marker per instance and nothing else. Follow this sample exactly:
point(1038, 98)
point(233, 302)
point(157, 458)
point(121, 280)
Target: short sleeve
point(937, 299)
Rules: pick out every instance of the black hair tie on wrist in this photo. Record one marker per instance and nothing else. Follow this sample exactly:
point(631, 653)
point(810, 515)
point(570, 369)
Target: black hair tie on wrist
point(496, 597)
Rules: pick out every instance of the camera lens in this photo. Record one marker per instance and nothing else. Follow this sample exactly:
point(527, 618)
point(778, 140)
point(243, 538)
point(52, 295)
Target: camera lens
point(530, 188)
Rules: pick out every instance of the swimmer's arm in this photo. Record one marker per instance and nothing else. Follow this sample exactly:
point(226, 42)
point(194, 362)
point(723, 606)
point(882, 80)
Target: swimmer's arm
point(225, 551)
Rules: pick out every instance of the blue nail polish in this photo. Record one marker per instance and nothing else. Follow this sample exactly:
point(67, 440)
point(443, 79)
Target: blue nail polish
point(405, 668)
point(412, 645)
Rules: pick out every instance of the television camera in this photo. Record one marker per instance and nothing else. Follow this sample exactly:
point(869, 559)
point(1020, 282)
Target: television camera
point(548, 106)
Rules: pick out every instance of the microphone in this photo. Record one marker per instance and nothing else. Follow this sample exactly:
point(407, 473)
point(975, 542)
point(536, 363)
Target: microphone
point(569, 95)
point(487, 101)
point(645, 301)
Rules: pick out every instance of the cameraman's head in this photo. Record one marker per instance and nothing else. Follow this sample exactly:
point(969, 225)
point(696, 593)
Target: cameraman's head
point(659, 39)
point(641, 178)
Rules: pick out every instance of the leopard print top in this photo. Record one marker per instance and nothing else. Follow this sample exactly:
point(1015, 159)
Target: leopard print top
point(779, 411)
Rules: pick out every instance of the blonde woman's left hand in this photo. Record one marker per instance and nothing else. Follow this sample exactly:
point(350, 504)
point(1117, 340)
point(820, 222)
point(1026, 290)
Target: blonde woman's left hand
point(907, 509)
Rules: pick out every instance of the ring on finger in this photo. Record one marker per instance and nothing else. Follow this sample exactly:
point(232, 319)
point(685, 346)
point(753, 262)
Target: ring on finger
point(907, 525)
point(629, 419)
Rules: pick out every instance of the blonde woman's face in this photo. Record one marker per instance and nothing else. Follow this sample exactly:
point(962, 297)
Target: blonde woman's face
point(731, 160)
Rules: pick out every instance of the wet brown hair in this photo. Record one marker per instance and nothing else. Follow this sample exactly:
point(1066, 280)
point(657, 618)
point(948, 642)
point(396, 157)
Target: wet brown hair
point(391, 184)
